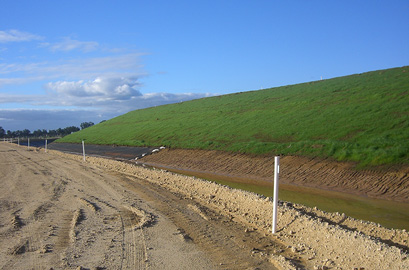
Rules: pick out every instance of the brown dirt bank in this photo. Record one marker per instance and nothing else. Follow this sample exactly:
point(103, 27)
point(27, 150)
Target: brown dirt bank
point(391, 184)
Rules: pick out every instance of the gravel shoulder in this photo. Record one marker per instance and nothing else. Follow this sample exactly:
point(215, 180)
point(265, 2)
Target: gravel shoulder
point(60, 212)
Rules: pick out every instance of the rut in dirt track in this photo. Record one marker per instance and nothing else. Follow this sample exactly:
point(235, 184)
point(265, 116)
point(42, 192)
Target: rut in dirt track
point(230, 244)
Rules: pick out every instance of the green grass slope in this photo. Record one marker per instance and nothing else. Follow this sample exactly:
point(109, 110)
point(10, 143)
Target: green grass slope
point(361, 117)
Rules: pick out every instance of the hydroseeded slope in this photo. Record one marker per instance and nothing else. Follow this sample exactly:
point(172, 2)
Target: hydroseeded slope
point(362, 118)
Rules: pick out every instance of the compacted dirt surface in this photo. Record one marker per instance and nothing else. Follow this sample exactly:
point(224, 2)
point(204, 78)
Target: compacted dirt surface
point(59, 212)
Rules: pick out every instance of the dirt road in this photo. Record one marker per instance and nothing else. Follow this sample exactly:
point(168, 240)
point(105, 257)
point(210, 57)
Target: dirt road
point(57, 212)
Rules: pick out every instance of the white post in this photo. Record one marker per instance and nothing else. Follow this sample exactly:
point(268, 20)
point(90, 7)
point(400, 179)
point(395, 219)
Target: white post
point(83, 150)
point(46, 145)
point(275, 197)
point(28, 144)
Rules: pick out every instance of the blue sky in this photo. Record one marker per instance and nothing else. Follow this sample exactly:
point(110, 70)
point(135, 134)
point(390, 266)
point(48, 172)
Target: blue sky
point(66, 62)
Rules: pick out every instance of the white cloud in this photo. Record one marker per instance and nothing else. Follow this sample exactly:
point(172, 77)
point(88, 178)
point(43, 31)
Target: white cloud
point(68, 44)
point(17, 36)
point(115, 94)
point(102, 88)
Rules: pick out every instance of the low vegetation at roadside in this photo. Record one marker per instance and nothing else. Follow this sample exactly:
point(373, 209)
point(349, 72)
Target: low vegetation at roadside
point(362, 118)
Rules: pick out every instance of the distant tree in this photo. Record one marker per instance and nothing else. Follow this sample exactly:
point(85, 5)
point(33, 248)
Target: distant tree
point(86, 124)
point(26, 133)
point(37, 133)
point(40, 132)
point(69, 130)
point(52, 133)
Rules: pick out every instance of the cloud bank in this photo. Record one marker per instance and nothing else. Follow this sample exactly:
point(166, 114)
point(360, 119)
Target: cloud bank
point(100, 89)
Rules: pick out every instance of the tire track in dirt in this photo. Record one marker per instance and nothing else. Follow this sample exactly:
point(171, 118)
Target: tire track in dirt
point(25, 223)
point(30, 248)
point(64, 232)
point(134, 245)
point(228, 243)
point(133, 220)
point(134, 250)
point(134, 254)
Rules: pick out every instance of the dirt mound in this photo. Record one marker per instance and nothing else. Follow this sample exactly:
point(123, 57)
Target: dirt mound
point(390, 184)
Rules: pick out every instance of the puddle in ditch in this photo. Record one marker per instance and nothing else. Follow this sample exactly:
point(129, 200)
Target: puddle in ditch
point(389, 214)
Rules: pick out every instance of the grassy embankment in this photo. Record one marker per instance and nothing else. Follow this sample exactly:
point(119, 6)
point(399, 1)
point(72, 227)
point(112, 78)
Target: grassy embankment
point(362, 118)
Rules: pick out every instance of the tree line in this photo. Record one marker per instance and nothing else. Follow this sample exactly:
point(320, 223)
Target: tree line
point(60, 132)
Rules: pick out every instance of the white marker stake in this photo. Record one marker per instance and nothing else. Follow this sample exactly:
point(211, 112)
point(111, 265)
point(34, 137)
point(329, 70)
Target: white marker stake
point(83, 150)
point(46, 145)
point(275, 197)
point(28, 144)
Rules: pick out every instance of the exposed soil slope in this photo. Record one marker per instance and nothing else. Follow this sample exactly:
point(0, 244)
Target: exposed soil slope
point(391, 184)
